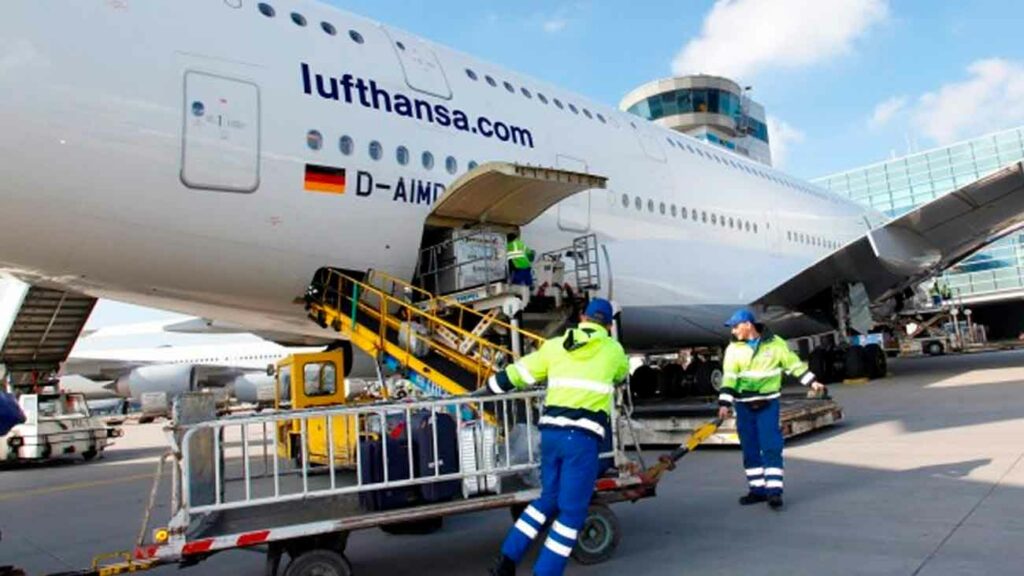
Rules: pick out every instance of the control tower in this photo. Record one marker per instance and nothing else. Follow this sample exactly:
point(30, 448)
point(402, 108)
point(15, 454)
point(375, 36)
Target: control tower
point(711, 108)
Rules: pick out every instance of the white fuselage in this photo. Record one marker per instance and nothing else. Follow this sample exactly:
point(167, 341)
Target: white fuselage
point(114, 181)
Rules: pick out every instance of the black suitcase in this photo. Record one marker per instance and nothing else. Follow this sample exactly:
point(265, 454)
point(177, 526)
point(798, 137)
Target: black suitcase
point(447, 455)
point(371, 454)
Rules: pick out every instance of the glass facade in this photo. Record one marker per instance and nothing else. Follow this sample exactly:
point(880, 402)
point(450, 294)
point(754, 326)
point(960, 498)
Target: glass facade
point(691, 100)
point(897, 186)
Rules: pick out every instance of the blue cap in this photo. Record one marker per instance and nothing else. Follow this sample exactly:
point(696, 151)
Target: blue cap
point(740, 316)
point(599, 310)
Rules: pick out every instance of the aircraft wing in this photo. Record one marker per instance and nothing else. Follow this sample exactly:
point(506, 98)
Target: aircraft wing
point(915, 246)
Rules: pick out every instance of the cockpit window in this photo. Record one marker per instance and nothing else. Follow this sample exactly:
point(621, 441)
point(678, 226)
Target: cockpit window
point(328, 28)
point(266, 9)
point(355, 36)
point(299, 19)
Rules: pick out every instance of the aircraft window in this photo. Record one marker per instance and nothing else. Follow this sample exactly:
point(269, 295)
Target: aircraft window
point(731, 222)
point(682, 212)
point(471, 74)
point(714, 219)
point(559, 104)
point(402, 155)
point(355, 36)
point(670, 142)
point(573, 108)
point(376, 150)
point(650, 206)
point(314, 139)
point(509, 87)
point(638, 203)
point(542, 98)
point(699, 153)
point(673, 210)
point(703, 216)
point(428, 160)
point(633, 124)
point(472, 164)
point(755, 227)
point(299, 19)
point(266, 9)
point(747, 226)
point(661, 208)
point(601, 118)
point(328, 28)
point(525, 92)
point(721, 220)
point(789, 235)
point(625, 200)
point(588, 114)
point(400, 46)
point(490, 80)
point(451, 165)
point(345, 144)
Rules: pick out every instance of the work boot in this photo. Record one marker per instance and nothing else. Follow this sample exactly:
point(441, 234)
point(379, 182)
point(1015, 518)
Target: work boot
point(775, 501)
point(752, 498)
point(503, 566)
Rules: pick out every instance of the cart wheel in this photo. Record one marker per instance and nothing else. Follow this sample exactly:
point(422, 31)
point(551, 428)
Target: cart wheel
point(599, 536)
point(319, 563)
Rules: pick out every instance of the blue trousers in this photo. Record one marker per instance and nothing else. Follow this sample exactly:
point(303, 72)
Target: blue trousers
point(568, 469)
point(522, 277)
point(761, 440)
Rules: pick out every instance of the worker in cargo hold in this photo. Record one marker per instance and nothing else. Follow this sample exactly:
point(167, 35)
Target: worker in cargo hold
point(520, 261)
point(751, 383)
point(581, 368)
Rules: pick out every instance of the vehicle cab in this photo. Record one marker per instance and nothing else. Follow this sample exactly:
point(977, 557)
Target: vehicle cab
point(57, 424)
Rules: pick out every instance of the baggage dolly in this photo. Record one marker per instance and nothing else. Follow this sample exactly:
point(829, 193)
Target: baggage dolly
point(230, 489)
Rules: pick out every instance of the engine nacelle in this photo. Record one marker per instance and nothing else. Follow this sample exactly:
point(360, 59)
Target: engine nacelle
point(156, 387)
point(254, 388)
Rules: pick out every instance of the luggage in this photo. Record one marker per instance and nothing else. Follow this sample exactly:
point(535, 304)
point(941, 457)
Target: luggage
point(445, 454)
point(479, 453)
point(371, 454)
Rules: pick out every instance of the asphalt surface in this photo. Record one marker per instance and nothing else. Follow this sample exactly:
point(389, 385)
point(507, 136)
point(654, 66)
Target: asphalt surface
point(925, 476)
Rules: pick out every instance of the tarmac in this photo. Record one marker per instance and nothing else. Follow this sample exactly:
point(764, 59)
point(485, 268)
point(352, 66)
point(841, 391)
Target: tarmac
point(925, 476)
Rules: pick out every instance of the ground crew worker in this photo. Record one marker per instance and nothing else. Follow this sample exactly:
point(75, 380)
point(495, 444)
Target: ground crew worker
point(519, 261)
point(581, 369)
point(751, 380)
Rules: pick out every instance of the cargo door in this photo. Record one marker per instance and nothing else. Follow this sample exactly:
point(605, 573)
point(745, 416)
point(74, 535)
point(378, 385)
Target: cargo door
point(221, 134)
point(574, 211)
point(422, 69)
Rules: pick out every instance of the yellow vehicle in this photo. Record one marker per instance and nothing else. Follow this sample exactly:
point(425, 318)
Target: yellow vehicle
point(310, 381)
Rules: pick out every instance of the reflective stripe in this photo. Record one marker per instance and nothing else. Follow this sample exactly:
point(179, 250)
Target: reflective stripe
point(757, 483)
point(558, 548)
point(773, 471)
point(755, 471)
point(492, 383)
point(774, 484)
point(807, 378)
point(579, 384)
point(723, 397)
point(536, 515)
point(564, 531)
point(753, 398)
point(562, 421)
point(525, 528)
point(525, 374)
point(760, 373)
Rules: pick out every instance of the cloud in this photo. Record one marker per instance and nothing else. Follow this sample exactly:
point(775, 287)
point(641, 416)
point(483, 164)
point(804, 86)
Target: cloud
point(741, 38)
point(886, 111)
point(781, 137)
point(991, 99)
point(554, 25)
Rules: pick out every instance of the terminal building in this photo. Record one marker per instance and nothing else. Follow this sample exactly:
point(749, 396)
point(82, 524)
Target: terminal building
point(990, 282)
point(710, 108)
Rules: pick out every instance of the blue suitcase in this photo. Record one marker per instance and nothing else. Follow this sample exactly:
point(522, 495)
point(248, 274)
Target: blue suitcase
point(445, 453)
point(371, 454)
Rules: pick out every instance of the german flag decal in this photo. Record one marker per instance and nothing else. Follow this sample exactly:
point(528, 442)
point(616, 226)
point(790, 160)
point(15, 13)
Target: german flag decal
point(325, 179)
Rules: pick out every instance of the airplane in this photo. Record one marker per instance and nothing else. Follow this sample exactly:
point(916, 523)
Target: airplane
point(107, 364)
point(209, 157)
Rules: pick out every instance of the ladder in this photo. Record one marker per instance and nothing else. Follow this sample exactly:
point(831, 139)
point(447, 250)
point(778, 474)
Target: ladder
point(434, 337)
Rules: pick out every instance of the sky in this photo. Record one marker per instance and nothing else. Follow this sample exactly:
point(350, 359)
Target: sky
point(844, 82)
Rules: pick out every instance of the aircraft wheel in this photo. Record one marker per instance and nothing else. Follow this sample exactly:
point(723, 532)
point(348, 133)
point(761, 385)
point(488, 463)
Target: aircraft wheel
point(856, 367)
point(878, 365)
